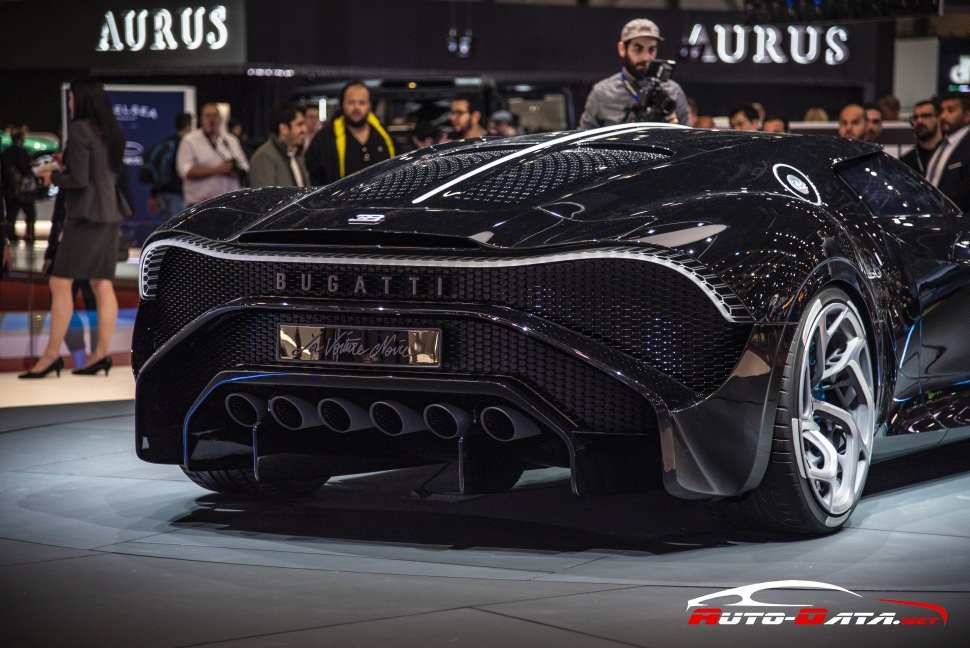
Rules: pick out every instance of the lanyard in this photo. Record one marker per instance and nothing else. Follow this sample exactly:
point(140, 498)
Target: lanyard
point(629, 86)
point(919, 157)
point(215, 144)
point(215, 147)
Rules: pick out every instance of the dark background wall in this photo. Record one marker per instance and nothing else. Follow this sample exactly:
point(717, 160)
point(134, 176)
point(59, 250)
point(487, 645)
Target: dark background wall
point(570, 45)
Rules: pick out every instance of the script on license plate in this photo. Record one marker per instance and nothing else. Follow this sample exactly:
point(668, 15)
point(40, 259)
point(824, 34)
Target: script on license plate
point(360, 345)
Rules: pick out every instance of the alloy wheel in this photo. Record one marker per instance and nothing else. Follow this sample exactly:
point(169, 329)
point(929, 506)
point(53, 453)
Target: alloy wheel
point(835, 422)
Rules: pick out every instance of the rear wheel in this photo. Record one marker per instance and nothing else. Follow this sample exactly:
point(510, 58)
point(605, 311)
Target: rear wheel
point(824, 424)
point(243, 482)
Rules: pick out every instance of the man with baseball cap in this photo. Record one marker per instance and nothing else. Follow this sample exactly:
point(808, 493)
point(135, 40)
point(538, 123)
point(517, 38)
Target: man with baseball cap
point(615, 99)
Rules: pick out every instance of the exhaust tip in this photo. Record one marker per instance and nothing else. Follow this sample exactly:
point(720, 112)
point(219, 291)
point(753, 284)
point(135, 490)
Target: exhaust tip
point(245, 409)
point(293, 413)
point(394, 419)
point(447, 421)
point(342, 415)
point(504, 424)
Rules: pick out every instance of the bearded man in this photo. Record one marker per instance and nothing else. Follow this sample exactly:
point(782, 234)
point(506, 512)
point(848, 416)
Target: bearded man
point(350, 142)
point(926, 127)
point(466, 117)
point(614, 100)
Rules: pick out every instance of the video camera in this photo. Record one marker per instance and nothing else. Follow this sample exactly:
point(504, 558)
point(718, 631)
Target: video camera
point(654, 104)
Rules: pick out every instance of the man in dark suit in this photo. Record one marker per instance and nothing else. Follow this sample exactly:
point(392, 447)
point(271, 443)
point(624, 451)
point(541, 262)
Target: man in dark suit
point(949, 168)
point(926, 127)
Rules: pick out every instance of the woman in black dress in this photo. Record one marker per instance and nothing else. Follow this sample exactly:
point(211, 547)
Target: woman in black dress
point(92, 162)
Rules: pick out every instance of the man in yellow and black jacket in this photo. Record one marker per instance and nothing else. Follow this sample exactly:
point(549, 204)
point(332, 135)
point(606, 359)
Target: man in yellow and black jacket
point(349, 142)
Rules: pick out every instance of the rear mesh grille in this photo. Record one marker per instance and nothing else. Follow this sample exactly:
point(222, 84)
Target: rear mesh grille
point(646, 310)
point(592, 399)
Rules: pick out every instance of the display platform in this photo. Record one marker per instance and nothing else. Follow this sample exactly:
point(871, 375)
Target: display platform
point(100, 549)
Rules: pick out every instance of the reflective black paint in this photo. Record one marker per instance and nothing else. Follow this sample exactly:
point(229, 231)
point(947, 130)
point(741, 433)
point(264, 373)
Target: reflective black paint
point(768, 215)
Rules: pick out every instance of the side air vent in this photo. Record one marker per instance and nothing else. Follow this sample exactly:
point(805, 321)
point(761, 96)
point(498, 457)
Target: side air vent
point(150, 267)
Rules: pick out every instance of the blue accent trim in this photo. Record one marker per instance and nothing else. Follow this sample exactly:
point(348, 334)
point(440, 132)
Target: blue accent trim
point(912, 329)
point(628, 85)
point(201, 399)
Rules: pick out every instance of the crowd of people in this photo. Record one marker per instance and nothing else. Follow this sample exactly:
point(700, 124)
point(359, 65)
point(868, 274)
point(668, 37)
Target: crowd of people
point(301, 151)
point(939, 127)
point(941, 153)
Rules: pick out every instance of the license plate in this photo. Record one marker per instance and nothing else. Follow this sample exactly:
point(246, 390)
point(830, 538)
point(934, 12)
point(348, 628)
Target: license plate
point(360, 345)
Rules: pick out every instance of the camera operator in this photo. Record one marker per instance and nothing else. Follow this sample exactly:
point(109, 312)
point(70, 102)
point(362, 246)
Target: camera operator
point(209, 160)
point(639, 91)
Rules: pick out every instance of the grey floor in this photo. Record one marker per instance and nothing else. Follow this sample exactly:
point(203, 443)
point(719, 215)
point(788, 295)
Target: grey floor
point(99, 549)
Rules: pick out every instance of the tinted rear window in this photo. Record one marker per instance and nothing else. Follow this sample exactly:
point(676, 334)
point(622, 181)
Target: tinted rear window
point(890, 188)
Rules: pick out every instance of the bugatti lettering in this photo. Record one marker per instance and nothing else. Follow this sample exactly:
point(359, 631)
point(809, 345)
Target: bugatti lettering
point(347, 345)
point(129, 31)
point(383, 285)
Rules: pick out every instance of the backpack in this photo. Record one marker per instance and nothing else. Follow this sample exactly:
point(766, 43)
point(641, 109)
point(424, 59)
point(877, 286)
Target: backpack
point(158, 164)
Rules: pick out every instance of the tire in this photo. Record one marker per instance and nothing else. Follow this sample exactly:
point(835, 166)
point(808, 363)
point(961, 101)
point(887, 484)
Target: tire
point(824, 424)
point(243, 482)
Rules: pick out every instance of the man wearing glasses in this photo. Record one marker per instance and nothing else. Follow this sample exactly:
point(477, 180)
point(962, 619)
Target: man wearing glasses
point(926, 127)
point(466, 116)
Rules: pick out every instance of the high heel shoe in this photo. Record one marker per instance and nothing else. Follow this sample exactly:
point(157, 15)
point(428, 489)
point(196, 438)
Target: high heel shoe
point(93, 369)
point(57, 365)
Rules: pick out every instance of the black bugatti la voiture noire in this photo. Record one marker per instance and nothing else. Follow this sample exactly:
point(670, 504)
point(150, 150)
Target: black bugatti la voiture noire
point(754, 318)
